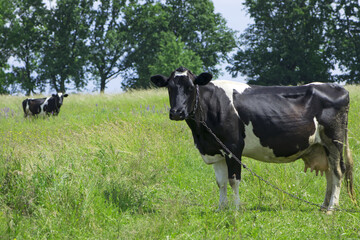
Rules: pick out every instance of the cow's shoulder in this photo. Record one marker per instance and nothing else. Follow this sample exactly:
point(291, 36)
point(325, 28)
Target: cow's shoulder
point(224, 89)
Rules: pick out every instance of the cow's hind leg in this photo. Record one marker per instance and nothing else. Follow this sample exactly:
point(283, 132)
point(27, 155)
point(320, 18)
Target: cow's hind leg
point(333, 185)
point(335, 191)
point(329, 178)
point(334, 173)
point(221, 173)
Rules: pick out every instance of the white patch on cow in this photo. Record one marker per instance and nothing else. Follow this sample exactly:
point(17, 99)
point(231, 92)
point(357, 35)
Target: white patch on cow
point(255, 150)
point(225, 154)
point(315, 138)
point(315, 83)
point(253, 147)
point(335, 196)
point(212, 159)
point(180, 73)
point(221, 173)
point(27, 108)
point(229, 87)
point(234, 183)
point(43, 105)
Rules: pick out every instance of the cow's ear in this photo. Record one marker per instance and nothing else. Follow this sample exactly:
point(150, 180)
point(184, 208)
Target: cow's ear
point(65, 95)
point(159, 80)
point(54, 95)
point(203, 79)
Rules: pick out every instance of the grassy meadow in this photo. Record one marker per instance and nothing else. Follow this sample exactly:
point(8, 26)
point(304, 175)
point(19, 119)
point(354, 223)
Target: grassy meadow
point(115, 167)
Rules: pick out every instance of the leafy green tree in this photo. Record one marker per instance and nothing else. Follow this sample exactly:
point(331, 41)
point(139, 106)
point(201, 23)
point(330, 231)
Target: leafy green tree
point(173, 53)
point(287, 44)
point(25, 37)
point(64, 52)
point(7, 9)
point(202, 31)
point(145, 22)
point(107, 41)
point(346, 36)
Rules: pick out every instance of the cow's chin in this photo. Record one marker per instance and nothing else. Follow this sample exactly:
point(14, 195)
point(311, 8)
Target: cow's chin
point(177, 117)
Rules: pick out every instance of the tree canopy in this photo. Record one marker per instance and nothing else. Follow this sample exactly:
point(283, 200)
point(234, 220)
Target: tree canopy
point(68, 43)
point(65, 44)
point(288, 43)
point(203, 33)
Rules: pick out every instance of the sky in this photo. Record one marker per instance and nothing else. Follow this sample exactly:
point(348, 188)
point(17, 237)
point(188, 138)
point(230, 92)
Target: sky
point(237, 19)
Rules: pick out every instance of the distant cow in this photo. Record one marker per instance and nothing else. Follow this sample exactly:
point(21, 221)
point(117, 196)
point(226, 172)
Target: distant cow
point(43, 106)
point(270, 124)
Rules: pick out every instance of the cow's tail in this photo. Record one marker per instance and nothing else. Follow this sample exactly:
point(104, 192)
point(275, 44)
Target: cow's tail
point(24, 103)
point(349, 163)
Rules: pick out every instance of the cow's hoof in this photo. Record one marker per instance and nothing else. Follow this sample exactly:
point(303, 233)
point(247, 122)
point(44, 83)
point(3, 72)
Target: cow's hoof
point(329, 212)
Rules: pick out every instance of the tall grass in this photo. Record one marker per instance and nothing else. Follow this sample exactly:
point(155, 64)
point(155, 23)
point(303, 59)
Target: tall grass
point(115, 167)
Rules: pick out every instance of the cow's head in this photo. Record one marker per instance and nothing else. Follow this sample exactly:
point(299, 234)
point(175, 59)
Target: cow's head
point(59, 99)
point(182, 90)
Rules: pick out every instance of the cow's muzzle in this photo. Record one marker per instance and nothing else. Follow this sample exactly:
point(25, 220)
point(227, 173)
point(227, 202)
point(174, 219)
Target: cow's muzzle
point(177, 115)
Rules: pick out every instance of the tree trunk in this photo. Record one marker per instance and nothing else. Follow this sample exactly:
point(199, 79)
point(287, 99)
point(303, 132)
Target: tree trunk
point(62, 85)
point(53, 82)
point(102, 84)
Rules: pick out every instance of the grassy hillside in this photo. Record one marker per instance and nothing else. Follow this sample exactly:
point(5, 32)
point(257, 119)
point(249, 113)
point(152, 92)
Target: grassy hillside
point(116, 167)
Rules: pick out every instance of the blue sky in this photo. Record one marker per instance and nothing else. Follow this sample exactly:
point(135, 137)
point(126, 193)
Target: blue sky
point(234, 13)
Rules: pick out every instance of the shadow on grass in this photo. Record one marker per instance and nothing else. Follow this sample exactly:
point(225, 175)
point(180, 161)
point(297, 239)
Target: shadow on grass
point(128, 198)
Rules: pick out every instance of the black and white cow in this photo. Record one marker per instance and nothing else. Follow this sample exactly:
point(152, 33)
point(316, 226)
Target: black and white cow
point(43, 106)
point(271, 124)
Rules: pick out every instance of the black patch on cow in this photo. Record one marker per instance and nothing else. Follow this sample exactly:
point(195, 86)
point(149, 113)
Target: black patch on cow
point(234, 168)
point(282, 117)
point(34, 105)
point(220, 116)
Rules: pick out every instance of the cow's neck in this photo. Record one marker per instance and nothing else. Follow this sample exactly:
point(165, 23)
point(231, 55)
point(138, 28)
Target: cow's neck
point(205, 97)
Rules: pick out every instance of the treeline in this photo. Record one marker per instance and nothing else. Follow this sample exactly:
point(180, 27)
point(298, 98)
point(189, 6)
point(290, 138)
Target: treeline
point(300, 41)
point(67, 43)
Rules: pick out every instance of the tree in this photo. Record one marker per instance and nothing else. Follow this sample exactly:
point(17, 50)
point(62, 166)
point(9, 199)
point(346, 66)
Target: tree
point(145, 22)
point(26, 36)
point(287, 44)
point(346, 37)
point(173, 53)
point(107, 41)
point(7, 9)
point(65, 53)
point(202, 32)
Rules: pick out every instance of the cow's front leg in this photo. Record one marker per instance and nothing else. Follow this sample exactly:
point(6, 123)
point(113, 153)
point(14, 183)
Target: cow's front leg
point(234, 175)
point(221, 173)
point(234, 183)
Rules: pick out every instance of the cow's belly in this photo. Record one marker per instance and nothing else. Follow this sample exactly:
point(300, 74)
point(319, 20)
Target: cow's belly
point(262, 154)
point(212, 159)
point(254, 149)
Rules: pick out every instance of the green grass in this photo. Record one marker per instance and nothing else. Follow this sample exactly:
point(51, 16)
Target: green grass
point(116, 167)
